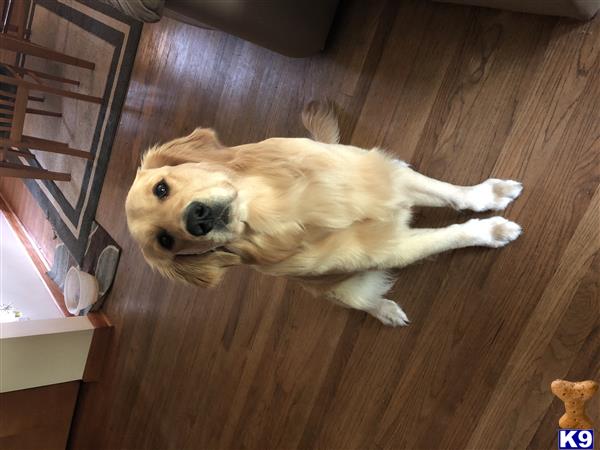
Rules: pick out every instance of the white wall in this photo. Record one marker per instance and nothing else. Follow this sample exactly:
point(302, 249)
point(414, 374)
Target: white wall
point(20, 283)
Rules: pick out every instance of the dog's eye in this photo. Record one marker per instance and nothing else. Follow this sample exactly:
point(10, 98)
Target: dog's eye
point(161, 190)
point(165, 240)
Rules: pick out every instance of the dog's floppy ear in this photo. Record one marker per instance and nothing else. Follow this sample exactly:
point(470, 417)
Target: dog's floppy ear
point(204, 270)
point(191, 148)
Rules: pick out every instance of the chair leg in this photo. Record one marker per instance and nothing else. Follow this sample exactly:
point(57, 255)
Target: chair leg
point(49, 89)
point(22, 46)
point(45, 145)
point(47, 76)
point(36, 140)
point(20, 171)
point(42, 112)
point(18, 119)
point(62, 151)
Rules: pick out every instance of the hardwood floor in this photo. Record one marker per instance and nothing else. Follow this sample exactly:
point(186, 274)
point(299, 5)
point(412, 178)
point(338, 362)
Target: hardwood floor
point(462, 94)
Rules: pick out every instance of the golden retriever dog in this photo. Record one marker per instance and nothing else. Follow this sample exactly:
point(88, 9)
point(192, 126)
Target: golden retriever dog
point(333, 216)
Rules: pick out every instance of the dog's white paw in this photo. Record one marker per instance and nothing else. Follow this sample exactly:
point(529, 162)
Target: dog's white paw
point(390, 314)
point(492, 194)
point(493, 232)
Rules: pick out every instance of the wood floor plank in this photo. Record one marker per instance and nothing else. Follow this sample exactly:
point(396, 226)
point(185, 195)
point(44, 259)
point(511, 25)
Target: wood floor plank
point(448, 160)
point(411, 69)
point(562, 180)
point(524, 386)
point(586, 363)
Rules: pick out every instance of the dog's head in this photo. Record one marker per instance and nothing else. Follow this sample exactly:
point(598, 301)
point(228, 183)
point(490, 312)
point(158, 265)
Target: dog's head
point(183, 207)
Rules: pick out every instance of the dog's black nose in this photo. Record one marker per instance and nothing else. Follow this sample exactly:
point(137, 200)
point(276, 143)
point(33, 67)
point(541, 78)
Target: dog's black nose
point(199, 219)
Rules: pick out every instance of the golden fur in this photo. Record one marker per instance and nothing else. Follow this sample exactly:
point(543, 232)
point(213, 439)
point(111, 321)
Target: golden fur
point(333, 216)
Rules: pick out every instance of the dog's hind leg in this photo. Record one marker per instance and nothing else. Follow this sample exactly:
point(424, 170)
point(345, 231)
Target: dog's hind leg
point(365, 291)
point(492, 194)
point(321, 122)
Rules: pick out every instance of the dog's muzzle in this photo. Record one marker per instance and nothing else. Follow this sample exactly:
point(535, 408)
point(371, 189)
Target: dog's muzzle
point(201, 218)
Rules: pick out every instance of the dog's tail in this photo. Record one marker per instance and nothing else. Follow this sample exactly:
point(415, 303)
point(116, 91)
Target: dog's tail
point(320, 120)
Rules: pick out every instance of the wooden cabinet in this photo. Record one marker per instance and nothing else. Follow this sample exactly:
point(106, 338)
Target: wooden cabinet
point(37, 418)
point(42, 364)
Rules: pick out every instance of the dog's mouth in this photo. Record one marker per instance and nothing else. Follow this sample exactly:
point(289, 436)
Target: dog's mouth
point(198, 252)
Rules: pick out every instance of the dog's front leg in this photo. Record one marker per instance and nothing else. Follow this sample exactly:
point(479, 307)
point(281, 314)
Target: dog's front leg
point(418, 243)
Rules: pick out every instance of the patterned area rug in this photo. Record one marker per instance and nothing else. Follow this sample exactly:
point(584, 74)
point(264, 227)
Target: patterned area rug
point(93, 31)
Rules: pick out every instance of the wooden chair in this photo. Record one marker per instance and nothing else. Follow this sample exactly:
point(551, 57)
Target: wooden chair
point(38, 76)
point(15, 24)
point(13, 102)
point(19, 41)
point(13, 108)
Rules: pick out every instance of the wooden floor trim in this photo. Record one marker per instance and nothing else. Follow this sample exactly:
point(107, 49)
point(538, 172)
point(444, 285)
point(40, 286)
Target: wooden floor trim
point(103, 330)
